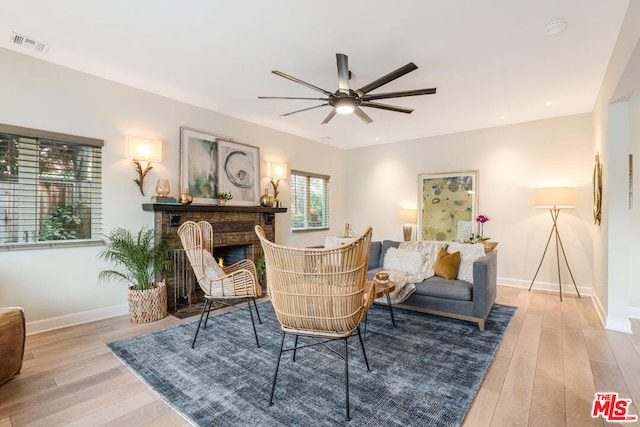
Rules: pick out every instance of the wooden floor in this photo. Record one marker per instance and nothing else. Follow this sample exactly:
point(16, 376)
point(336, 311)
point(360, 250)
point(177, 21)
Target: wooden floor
point(554, 357)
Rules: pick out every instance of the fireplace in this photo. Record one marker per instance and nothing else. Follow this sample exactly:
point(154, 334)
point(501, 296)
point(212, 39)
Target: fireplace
point(230, 254)
point(234, 239)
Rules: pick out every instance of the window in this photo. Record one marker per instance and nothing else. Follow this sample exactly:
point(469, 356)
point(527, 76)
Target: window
point(50, 188)
point(309, 201)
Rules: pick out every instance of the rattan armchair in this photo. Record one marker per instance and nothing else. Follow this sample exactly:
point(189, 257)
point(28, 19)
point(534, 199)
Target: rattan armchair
point(321, 293)
point(225, 285)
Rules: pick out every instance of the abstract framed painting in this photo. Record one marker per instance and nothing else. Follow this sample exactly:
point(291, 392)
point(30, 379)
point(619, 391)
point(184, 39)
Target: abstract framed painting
point(448, 205)
point(199, 165)
point(239, 172)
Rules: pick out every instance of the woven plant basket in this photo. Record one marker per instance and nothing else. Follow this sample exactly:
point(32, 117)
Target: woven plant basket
point(149, 305)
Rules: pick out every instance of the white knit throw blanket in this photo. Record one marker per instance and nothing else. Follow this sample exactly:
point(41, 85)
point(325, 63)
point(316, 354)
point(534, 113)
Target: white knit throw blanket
point(405, 282)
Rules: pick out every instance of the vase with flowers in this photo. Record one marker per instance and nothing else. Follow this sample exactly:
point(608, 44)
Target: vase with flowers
point(222, 198)
point(480, 237)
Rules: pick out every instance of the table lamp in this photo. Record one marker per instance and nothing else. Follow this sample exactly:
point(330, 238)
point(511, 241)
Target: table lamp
point(408, 217)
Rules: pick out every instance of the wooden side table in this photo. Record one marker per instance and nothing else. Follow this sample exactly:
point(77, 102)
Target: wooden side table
point(380, 290)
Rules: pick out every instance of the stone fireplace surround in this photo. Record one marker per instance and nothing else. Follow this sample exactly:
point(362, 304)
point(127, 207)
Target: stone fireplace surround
point(232, 226)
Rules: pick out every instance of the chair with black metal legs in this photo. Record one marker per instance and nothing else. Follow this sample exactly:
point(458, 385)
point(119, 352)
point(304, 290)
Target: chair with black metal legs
point(224, 285)
point(319, 293)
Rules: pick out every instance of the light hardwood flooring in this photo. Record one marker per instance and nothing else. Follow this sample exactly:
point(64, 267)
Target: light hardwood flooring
point(553, 359)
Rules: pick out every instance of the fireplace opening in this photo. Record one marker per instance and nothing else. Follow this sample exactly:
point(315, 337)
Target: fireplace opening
point(230, 254)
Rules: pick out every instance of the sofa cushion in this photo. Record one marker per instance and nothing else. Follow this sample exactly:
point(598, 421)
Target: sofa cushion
point(407, 261)
point(374, 255)
point(211, 268)
point(442, 288)
point(447, 264)
point(469, 253)
point(386, 244)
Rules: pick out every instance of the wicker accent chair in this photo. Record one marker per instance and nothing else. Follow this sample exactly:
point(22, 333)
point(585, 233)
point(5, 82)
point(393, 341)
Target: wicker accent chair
point(321, 293)
point(236, 282)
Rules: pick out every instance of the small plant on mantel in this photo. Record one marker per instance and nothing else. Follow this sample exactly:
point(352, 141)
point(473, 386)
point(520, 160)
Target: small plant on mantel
point(223, 196)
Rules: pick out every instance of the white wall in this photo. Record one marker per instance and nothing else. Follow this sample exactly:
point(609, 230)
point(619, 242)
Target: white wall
point(634, 218)
point(621, 80)
point(511, 160)
point(59, 286)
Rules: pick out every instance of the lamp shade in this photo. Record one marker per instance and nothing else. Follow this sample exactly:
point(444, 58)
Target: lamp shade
point(145, 149)
point(555, 197)
point(277, 170)
point(408, 216)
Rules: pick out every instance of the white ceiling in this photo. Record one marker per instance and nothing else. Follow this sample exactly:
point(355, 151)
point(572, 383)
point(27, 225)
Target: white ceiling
point(490, 60)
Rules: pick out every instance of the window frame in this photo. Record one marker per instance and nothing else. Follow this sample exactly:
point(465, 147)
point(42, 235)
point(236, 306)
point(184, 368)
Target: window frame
point(326, 196)
point(96, 209)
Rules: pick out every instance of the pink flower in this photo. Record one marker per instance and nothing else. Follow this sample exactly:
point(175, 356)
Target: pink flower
point(482, 219)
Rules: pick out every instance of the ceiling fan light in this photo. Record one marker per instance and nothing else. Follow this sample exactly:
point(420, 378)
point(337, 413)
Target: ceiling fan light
point(344, 106)
point(344, 109)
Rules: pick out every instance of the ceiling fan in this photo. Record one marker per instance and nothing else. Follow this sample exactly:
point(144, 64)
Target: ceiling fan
point(347, 101)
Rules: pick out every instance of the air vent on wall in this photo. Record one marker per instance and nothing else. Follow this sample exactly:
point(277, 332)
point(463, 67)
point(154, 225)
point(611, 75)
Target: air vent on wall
point(29, 43)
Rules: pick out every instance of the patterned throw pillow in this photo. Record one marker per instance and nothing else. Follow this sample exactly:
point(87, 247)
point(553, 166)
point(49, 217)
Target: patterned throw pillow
point(447, 264)
point(469, 253)
point(211, 268)
point(408, 261)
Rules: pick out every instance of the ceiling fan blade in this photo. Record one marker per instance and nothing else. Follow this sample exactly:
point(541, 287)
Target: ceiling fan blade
point(358, 112)
point(304, 109)
point(387, 107)
point(292, 97)
point(387, 78)
point(343, 73)
point(399, 94)
point(329, 117)
point(303, 83)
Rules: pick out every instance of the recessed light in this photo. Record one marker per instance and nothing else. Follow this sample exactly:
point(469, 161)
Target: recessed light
point(501, 117)
point(325, 138)
point(548, 103)
point(555, 27)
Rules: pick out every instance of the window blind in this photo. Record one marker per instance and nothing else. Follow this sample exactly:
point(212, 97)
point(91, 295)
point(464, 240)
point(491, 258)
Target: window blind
point(50, 188)
point(309, 201)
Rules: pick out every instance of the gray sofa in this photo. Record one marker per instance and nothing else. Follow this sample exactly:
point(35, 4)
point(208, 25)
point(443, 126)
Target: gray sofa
point(451, 298)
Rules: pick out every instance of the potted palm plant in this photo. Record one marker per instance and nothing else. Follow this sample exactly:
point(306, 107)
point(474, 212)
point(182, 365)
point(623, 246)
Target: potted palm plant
point(141, 257)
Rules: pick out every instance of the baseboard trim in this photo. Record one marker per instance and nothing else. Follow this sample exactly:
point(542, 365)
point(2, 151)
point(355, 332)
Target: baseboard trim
point(634, 312)
point(567, 289)
point(73, 319)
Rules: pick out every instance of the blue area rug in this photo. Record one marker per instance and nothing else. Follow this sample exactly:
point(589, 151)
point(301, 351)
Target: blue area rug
point(424, 372)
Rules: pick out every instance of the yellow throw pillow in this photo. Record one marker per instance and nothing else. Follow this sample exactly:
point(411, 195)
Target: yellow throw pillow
point(447, 264)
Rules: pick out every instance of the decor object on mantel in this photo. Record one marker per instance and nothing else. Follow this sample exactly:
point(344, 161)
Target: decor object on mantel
point(427, 375)
point(223, 198)
point(185, 197)
point(141, 260)
point(162, 188)
point(266, 200)
point(143, 150)
point(347, 101)
point(554, 199)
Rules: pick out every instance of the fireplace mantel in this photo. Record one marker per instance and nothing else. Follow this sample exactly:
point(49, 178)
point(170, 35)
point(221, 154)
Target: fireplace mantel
point(176, 207)
point(232, 226)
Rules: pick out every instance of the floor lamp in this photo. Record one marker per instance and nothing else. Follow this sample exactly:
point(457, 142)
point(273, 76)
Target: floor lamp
point(554, 199)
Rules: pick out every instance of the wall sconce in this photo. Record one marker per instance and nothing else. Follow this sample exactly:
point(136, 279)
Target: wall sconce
point(145, 150)
point(408, 217)
point(276, 171)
